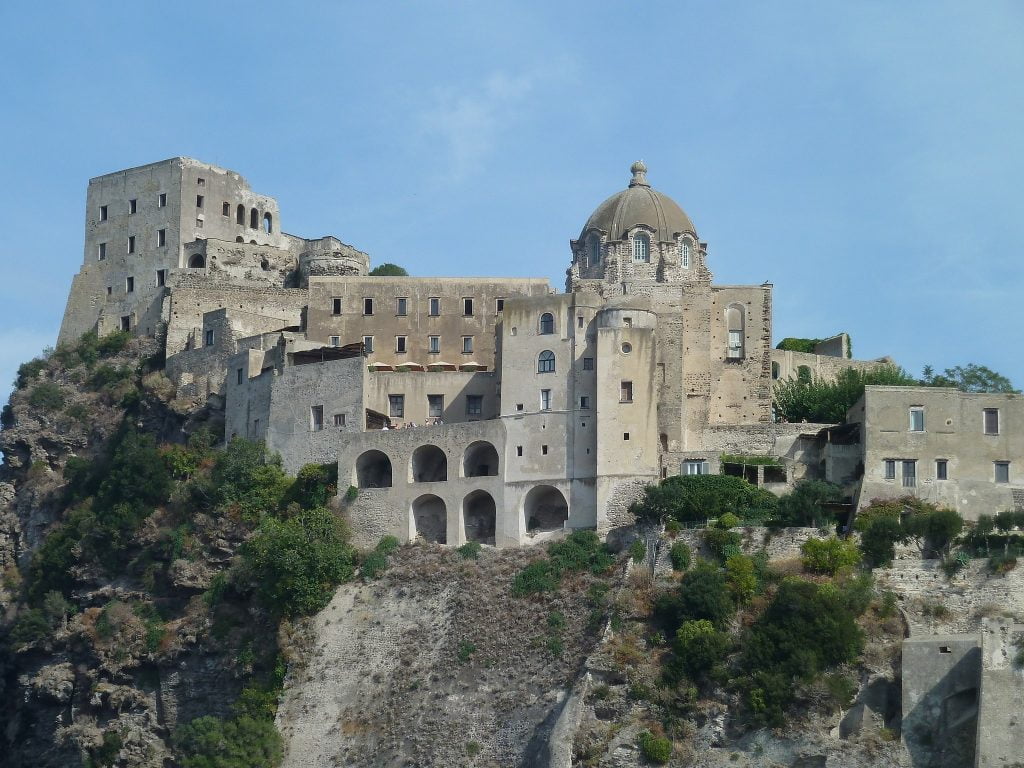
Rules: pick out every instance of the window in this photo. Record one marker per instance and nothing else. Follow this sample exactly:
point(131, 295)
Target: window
point(545, 399)
point(435, 406)
point(467, 344)
point(474, 405)
point(161, 201)
point(433, 344)
point(775, 370)
point(200, 182)
point(110, 289)
point(239, 376)
point(161, 278)
point(695, 467)
point(519, 406)
point(396, 406)
point(161, 238)
point(626, 347)
point(336, 306)
point(546, 362)
point(734, 322)
point(588, 363)
point(368, 344)
point(625, 435)
point(467, 307)
point(991, 421)
point(579, 321)
point(400, 343)
point(199, 201)
point(254, 219)
point(499, 305)
point(403, 306)
point(131, 243)
point(435, 307)
point(129, 285)
point(199, 223)
point(268, 223)
point(519, 450)
point(103, 213)
point(126, 322)
point(544, 450)
point(101, 252)
point(1002, 471)
point(584, 402)
point(626, 392)
point(208, 338)
point(909, 473)
point(367, 306)
point(890, 469)
point(240, 215)
point(133, 206)
point(641, 247)
point(941, 469)
point(335, 341)
point(917, 419)
point(225, 210)
point(339, 419)
point(627, 322)
point(547, 323)
point(593, 250)
point(316, 418)
point(684, 254)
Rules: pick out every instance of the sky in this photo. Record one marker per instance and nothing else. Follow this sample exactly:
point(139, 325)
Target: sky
point(866, 158)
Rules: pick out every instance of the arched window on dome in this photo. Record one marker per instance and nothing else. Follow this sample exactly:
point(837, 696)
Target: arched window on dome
point(641, 247)
point(546, 362)
point(547, 323)
point(684, 253)
point(593, 251)
point(734, 323)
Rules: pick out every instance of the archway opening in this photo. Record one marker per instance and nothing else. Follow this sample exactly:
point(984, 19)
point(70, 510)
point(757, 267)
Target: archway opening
point(268, 223)
point(429, 465)
point(240, 215)
point(545, 508)
point(480, 460)
point(479, 517)
point(373, 470)
point(254, 219)
point(430, 518)
point(196, 261)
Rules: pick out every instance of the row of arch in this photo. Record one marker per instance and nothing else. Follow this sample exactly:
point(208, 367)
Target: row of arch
point(640, 245)
point(254, 218)
point(544, 509)
point(428, 464)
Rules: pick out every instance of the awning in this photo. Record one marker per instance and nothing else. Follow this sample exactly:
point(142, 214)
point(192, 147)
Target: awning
point(441, 366)
point(409, 365)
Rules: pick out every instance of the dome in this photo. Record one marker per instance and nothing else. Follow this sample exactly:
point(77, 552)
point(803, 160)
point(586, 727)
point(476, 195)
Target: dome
point(639, 204)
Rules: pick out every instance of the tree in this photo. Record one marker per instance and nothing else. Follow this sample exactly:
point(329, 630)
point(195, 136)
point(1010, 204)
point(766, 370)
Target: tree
point(388, 270)
point(805, 505)
point(703, 594)
point(828, 555)
point(699, 497)
point(968, 378)
point(699, 647)
point(934, 529)
point(826, 402)
point(878, 540)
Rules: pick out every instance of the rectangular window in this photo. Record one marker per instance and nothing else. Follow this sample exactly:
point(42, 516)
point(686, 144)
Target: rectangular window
point(941, 469)
point(225, 210)
point(335, 341)
point(588, 363)
point(339, 419)
point(909, 473)
point(110, 290)
point(890, 469)
point(316, 418)
point(467, 344)
point(103, 213)
point(917, 419)
point(133, 206)
point(626, 392)
point(101, 252)
point(545, 399)
point(519, 406)
point(129, 285)
point(396, 406)
point(585, 402)
point(474, 405)
point(367, 306)
point(199, 223)
point(695, 467)
point(368, 344)
point(735, 351)
point(544, 450)
point(239, 376)
point(199, 201)
point(208, 338)
point(435, 307)
point(519, 450)
point(161, 238)
point(579, 321)
point(256, 427)
point(991, 419)
point(434, 344)
point(435, 406)
point(161, 201)
point(131, 243)
point(403, 306)
point(126, 322)
point(400, 343)
point(625, 435)
point(499, 305)
point(336, 306)
point(200, 182)
point(1002, 471)
point(467, 307)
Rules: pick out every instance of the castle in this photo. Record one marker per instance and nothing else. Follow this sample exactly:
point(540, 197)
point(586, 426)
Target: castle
point(498, 410)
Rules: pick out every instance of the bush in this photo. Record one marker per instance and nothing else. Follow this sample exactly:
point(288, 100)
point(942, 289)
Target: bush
point(825, 401)
point(699, 647)
point(388, 269)
point(28, 372)
point(387, 544)
point(805, 504)
point(703, 594)
point(723, 544)
point(374, 564)
point(47, 396)
point(656, 749)
point(700, 497)
point(107, 752)
point(31, 626)
point(828, 555)
point(315, 485)
point(248, 476)
point(7, 416)
point(741, 576)
point(877, 542)
point(638, 550)
point(680, 556)
point(242, 742)
point(107, 376)
point(727, 521)
point(580, 551)
point(470, 550)
point(535, 578)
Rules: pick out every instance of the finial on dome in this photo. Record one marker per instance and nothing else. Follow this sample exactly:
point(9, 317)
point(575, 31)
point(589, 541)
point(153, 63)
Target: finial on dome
point(638, 169)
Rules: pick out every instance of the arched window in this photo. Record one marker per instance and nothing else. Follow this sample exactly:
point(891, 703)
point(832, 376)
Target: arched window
point(593, 250)
point(546, 362)
point(684, 253)
point(268, 223)
point(239, 239)
point(196, 261)
point(547, 323)
point(240, 215)
point(254, 219)
point(734, 323)
point(641, 247)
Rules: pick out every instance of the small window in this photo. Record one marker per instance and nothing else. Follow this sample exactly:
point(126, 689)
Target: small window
point(775, 370)
point(474, 405)
point(941, 469)
point(199, 223)
point(240, 215)
point(110, 290)
point(909, 473)
point(579, 321)
point(519, 450)
point(131, 243)
point(396, 406)
point(403, 306)
point(626, 392)
point(684, 254)
point(544, 450)
point(890, 469)
point(435, 406)
point(335, 341)
point(588, 363)
point(627, 322)
point(129, 285)
point(499, 305)
point(546, 362)
point(434, 344)
point(103, 213)
point(200, 182)
point(593, 250)
point(208, 340)
point(734, 318)
point(199, 201)
point(625, 435)
point(545, 399)
point(400, 344)
point(467, 344)
point(161, 278)
point(367, 306)
point(584, 403)
point(161, 201)
point(101, 252)
point(316, 418)
point(917, 419)
point(268, 223)
point(626, 348)
point(641, 247)
point(1002, 471)
point(991, 421)
point(254, 219)
point(161, 238)
point(696, 467)
point(126, 322)
point(339, 419)
point(467, 307)
point(519, 406)
point(336, 306)
point(239, 376)
point(435, 307)
point(547, 323)
point(133, 206)
point(225, 210)
point(368, 344)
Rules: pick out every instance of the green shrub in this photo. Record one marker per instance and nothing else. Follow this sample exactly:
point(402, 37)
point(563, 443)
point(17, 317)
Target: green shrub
point(351, 494)
point(7, 418)
point(679, 554)
point(315, 485)
point(699, 497)
point(107, 376)
point(555, 645)
point(245, 474)
point(472, 748)
point(106, 754)
point(727, 521)
point(580, 551)
point(28, 372)
point(702, 594)
point(826, 401)
point(374, 564)
point(828, 555)
point(723, 544)
point(47, 396)
point(535, 578)
point(741, 576)
point(805, 504)
point(699, 647)
point(841, 689)
point(470, 550)
point(934, 528)
point(877, 542)
point(31, 626)
point(241, 742)
point(556, 621)
point(638, 550)
point(672, 528)
point(466, 651)
point(387, 544)
point(1001, 564)
point(388, 269)
point(798, 345)
point(655, 749)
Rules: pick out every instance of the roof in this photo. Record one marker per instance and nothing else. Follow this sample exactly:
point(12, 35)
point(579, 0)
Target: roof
point(639, 203)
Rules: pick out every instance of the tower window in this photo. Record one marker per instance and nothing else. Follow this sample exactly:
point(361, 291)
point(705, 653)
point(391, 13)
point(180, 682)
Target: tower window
point(641, 247)
point(225, 209)
point(545, 399)
point(1002, 471)
point(368, 344)
point(199, 201)
point(161, 238)
point(161, 278)
point(684, 254)
point(499, 305)
point(402, 308)
point(546, 362)
point(626, 392)
point(131, 243)
point(367, 306)
point(917, 419)
point(133, 205)
point(336, 305)
point(161, 201)
point(594, 250)
point(547, 323)
point(400, 343)
point(208, 339)
point(101, 252)
point(467, 344)
point(734, 323)
point(316, 418)
point(991, 421)
point(129, 285)
point(941, 469)
point(588, 363)
point(467, 307)
point(103, 213)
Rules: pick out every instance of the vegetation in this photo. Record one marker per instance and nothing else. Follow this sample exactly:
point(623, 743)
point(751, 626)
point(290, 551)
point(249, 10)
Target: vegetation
point(655, 749)
point(580, 551)
point(388, 270)
point(638, 550)
point(806, 504)
point(470, 550)
point(47, 396)
point(241, 742)
point(826, 402)
point(703, 594)
point(969, 378)
point(679, 554)
point(884, 523)
point(688, 498)
point(828, 556)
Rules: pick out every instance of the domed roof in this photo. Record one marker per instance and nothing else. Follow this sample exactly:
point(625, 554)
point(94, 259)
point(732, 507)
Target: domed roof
point(639, 204)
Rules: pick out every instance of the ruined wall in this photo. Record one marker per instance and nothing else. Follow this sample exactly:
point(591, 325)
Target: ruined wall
point(1000, 739)
point(242, 262)
point(786, 364)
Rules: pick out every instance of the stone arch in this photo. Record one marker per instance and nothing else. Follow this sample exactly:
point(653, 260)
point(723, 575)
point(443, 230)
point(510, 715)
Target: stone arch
point(239, 239)
point(254, 219)
point(268, 223)
point(373, 470)
point(196, 261)
point(430, 518)
point(479, 517)
point(735, 322)
point(545, 509)
point(240, 215)
point(429, 464)
point(480, 460)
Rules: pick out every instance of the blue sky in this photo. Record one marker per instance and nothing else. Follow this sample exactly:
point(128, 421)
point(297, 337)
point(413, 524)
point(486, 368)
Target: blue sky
point(867, 158)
